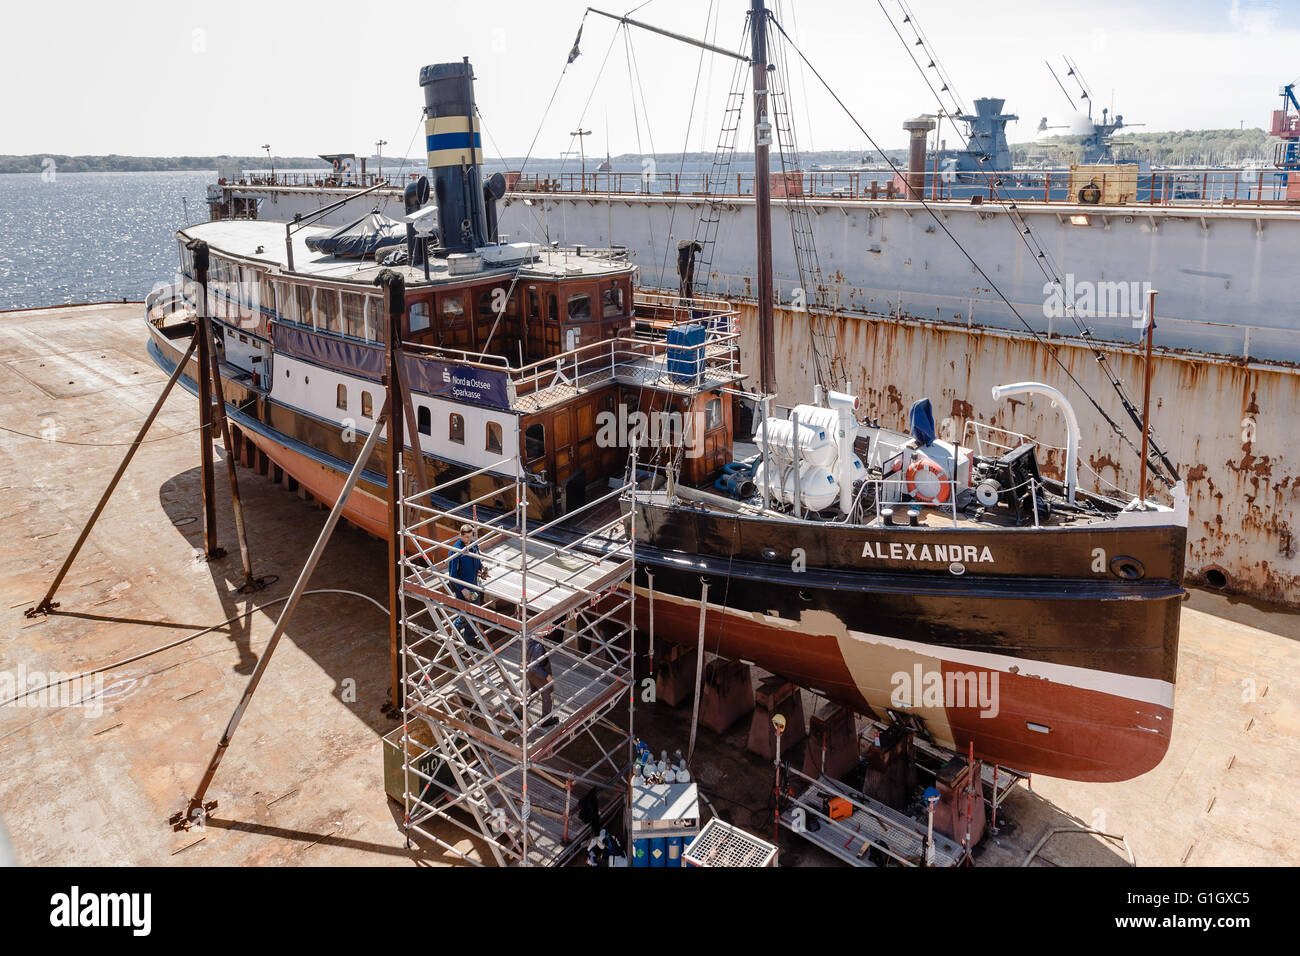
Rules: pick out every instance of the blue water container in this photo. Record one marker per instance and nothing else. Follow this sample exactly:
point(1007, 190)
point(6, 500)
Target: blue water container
point(675, 851)
point(686, 353)
point(659, 852)
point(641, 853)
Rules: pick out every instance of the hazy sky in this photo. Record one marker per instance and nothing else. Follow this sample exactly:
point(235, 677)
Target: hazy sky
point(188, 77)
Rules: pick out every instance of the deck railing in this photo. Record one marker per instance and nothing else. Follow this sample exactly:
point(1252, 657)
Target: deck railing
point(324, 179)
point(716, 360)
point(1173, 186)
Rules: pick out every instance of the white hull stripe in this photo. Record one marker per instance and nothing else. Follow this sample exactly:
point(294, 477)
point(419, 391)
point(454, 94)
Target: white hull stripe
point(1145, 690)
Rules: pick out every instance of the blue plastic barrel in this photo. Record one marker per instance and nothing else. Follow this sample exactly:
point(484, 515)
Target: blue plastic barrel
point(674, 851)
point(659, 852)
point(640, 852)
point(685, 353)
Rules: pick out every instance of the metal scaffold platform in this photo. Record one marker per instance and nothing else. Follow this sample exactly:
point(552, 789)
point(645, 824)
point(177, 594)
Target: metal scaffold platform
point(525, 686)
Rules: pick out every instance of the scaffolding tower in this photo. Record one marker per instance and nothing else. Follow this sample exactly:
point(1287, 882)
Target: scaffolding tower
point(554, 598)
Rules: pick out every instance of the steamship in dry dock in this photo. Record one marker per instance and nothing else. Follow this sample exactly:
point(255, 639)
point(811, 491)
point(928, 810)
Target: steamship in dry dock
point(839, 552)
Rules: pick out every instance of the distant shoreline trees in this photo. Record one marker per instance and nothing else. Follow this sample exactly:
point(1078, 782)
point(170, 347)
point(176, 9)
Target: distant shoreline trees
point(114, 163)
point(1207, 147)
point(1188, 147)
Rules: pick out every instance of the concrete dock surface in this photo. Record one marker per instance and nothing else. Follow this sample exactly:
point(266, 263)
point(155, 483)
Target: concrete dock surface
point(92, 783)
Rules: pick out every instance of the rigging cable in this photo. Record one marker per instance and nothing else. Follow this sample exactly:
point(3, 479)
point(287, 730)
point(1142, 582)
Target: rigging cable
point(709, 221)
point(406, 158)
point(686, 145)
point(634, 70)
point(921, 35)
point(828, 361)
point(551, 101)
point(975, 265)
point(538, 220)
point(1040, 254)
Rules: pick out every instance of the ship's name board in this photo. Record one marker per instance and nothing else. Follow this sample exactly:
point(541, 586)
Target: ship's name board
point(910, 551)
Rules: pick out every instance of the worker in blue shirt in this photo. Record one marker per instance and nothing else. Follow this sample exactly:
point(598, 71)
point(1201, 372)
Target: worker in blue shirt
point(539, 677)
point(465, 568)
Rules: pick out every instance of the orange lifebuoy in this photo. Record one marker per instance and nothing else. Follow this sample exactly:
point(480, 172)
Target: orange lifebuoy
point(921, 463)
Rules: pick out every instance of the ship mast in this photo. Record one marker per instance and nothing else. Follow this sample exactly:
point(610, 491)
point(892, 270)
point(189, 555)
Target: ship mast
point(763, 198)
point(762, 173)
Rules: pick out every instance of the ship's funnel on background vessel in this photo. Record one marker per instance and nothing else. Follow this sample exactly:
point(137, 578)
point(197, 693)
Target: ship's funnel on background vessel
point(918, 129)
point(455, 154)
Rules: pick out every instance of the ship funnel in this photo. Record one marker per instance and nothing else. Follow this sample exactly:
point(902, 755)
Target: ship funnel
point(455, 154)
point(918, 129)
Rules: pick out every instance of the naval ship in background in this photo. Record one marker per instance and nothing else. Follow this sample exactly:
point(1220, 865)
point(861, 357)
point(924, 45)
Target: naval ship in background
point(913, 318)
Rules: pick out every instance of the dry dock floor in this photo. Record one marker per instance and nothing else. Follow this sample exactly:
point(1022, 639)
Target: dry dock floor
point(302, 782)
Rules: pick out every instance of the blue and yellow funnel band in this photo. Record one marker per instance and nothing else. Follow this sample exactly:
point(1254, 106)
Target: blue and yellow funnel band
point(453, 140)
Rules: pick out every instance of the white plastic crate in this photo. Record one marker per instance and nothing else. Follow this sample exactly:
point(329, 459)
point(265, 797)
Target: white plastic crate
point(721, 844)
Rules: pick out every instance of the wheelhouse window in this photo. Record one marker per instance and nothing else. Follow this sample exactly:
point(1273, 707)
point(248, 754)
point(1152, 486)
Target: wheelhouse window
point(555, 308)
point(306, 309)
point(452, 306)
point(493, 443)
point(423, 420)
point(215, 286)
point(286, 306)
point(713, 414)
point(611, 301)
point(535, 441)
point(245, 292)
point(497, 299)
point(267, 299)
point(418, 316)
point(455, 328)
point(327, 311)
point(367, 405)
point(456, 429)
point(354, 315)
point(229, 304)
point(579, 307)
point(375, 317)
point(341, 398)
